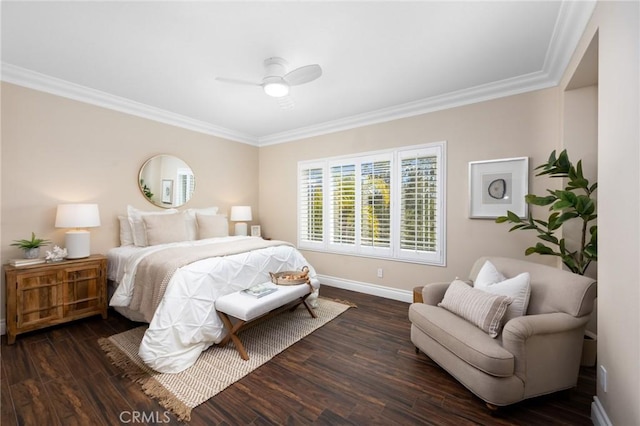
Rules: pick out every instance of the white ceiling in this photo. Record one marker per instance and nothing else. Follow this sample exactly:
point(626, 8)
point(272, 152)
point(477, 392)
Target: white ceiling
point(380, 60)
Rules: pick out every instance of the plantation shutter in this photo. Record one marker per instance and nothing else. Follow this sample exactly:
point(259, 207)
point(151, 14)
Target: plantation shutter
point(421, 208)
point(342, 222)
point(375, 209)
point(387, 204)
point(311, 205)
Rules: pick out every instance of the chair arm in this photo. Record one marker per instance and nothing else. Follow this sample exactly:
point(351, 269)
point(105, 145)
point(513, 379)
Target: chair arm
point(519, 329)
point(433, 293)
point(545, 346)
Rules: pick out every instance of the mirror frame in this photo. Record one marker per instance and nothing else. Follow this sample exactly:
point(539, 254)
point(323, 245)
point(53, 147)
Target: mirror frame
point(161, 190)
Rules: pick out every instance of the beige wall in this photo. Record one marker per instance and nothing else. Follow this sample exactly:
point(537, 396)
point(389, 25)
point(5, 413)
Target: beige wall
point(617, 26)
point(56, 150)
point(523, 125)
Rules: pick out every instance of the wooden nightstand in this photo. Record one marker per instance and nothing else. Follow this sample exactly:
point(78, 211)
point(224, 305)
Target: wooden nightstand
point(47, 294)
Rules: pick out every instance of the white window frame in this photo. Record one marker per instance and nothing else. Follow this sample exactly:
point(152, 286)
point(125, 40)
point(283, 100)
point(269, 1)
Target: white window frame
point(394, 252)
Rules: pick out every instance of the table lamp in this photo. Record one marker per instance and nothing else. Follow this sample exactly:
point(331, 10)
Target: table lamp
point(240, 214)
point(77, 216)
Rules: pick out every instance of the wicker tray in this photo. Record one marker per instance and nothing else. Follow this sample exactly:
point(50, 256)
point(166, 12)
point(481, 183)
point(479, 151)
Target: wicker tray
point(290, 277)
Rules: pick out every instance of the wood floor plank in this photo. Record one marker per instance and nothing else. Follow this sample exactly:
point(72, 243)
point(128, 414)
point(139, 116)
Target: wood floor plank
point(32, 404)
point(71, 404)
point(105, 398)
point(360, 368)
point(47, 362)
point(7, 410)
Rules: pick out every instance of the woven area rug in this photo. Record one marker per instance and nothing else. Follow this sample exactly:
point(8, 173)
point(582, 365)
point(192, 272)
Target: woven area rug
point(217, 367)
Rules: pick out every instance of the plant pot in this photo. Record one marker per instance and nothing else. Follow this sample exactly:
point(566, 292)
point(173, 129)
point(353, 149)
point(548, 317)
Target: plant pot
point(32, 253)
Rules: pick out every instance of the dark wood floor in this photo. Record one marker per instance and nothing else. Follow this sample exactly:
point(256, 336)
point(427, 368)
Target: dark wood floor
point(359, 369)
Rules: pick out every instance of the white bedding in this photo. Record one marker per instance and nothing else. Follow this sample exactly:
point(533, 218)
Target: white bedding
point(185, 322)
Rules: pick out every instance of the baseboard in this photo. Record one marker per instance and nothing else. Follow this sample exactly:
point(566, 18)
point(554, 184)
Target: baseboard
point(598, 415)
point(367, 288)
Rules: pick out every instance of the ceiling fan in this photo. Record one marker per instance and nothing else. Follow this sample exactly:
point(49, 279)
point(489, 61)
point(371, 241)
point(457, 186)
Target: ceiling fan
point(277, 80)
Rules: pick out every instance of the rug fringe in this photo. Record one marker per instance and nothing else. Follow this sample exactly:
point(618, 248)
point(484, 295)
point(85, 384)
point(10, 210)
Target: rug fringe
point(149, 385)
point(120, 359)
point(165, 398)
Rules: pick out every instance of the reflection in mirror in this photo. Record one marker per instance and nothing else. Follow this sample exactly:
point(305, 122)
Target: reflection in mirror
point(166, 181)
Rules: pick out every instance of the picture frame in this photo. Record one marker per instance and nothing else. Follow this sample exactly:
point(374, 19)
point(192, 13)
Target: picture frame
point(167, 191)
point(256, 231)
point(496, 186)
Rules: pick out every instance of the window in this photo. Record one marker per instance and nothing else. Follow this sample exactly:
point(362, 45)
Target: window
point(387, 204)
point(186, 185)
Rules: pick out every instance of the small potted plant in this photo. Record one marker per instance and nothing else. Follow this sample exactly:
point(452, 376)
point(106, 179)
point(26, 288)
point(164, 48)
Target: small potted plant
point(31, 247)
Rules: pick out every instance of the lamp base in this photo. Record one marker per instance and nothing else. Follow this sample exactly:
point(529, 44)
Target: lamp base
point(78, 244)
point(241, 229)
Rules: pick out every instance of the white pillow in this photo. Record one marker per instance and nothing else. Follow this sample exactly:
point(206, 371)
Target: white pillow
point(165, 228)
point(126, 236)
point(212, 226)
point(488, 275)
point(480, 308)
point(517, 288)
point(192, 228)
point(137, 226)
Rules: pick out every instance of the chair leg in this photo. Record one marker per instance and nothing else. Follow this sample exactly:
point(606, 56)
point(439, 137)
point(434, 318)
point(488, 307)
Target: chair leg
point(493, 409)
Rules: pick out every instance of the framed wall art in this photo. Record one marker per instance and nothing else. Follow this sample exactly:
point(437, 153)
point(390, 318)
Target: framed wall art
point(496, 186)
point(167, 191)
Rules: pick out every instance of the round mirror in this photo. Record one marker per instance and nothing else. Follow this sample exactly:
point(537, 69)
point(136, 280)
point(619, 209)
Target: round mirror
point(166, 181)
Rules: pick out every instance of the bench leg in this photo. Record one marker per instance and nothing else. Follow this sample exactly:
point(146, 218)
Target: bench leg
point(232, 335)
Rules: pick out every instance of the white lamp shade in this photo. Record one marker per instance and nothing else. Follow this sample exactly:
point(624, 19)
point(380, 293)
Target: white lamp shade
point(77, 216)
point(240, 213)
point(77, 242)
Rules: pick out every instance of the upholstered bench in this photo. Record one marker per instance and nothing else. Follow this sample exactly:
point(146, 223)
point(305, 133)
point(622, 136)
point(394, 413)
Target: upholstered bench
point(246, 308)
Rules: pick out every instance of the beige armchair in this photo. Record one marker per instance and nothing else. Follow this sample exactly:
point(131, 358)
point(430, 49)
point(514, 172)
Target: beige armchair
point(535, 354)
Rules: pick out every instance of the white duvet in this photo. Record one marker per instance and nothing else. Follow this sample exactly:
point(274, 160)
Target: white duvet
point(185, 322)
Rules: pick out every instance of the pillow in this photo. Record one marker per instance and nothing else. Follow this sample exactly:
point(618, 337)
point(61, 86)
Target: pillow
point(488, 275)
point(484, 310)
point(518, 288)
point(192, 228)
point(165, 228)
point(211, 226)
point(126, 236)
point(137, 226)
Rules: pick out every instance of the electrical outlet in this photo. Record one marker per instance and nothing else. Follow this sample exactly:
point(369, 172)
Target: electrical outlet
point(380, 273)
point(603, 378)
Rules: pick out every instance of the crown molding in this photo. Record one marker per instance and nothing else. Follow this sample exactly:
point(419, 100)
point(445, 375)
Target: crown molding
point(572, 20)
point(486, 92)
point(45, 83)
point(570, 25)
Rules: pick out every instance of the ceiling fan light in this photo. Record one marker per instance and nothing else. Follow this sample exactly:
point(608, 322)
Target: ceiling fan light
point(276, 89)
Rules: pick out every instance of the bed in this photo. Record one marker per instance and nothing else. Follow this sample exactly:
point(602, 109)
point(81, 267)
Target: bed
point(173, 285)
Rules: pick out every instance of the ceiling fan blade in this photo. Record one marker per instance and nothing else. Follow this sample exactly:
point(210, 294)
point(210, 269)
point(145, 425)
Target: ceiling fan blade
point(303, 74)
point(236, 81)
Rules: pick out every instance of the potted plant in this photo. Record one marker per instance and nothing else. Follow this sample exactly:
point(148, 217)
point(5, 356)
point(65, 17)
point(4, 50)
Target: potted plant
point(574, 202)
point(31, 247)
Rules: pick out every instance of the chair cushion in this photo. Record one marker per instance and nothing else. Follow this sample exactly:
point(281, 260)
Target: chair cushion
point(463, 339)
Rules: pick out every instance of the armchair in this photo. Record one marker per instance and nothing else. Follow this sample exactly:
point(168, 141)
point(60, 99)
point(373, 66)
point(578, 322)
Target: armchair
point(535, 354)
